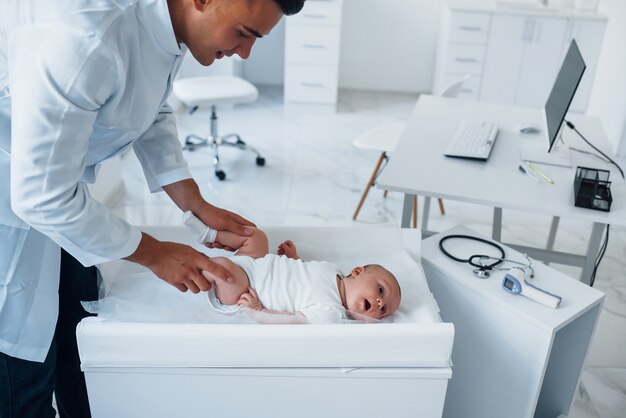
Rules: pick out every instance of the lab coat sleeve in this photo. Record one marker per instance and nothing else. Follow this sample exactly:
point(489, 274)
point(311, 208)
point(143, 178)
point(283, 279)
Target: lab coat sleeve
point(59, 78)
point(160, 153)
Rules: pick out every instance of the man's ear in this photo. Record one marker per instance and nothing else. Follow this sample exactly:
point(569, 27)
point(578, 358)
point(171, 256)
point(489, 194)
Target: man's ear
point(356, 271)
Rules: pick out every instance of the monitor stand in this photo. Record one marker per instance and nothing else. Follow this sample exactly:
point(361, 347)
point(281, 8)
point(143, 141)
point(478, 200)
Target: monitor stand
point(536, 151)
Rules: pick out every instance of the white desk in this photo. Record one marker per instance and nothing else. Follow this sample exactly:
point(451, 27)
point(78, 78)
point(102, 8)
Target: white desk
point(418, 166)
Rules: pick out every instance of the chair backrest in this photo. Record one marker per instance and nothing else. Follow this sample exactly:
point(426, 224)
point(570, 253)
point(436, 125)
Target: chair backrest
point(454, 89)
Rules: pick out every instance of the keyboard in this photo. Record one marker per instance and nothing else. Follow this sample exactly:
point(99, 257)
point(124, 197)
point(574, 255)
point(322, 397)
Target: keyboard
point(473, 139)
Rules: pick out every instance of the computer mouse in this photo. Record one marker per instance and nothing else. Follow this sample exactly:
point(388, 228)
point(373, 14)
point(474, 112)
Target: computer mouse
point(529, 129)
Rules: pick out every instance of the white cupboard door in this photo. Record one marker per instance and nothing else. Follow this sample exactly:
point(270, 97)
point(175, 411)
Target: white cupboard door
point(589, 35)
point(503, 60)
point(541, 60)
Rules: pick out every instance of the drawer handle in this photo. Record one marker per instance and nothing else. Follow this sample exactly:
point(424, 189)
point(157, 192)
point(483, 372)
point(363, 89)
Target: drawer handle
point(468, 60)
point(308, 84)
point(315, 16)
point(471, 28)
point(314, 46)
point(466, 90)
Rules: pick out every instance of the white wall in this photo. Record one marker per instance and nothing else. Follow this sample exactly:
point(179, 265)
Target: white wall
point(608, 98)
point(266, 64)
point(621, 149)
point(389, 44)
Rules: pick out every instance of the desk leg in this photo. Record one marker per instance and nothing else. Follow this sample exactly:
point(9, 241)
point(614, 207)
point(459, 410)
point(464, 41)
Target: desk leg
point(407, 210)
point(592, 252)
point(554, 226)
point(425, 213)
point(496, 228)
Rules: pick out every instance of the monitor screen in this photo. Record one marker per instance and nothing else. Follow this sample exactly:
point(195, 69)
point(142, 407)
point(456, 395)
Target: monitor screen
point(563, 91)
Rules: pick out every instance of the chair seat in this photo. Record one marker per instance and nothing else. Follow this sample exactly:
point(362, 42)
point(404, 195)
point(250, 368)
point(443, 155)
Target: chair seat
point(383, 137)
point(214, 90)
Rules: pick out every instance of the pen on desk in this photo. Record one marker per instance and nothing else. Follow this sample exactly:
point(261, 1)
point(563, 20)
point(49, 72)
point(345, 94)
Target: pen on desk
point(528, 173)
point(541, 173)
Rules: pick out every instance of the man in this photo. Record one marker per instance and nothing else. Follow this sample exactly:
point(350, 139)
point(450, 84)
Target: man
point(80, 81)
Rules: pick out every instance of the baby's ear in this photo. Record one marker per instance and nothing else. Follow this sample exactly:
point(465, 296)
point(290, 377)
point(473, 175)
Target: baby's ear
point(356, 271)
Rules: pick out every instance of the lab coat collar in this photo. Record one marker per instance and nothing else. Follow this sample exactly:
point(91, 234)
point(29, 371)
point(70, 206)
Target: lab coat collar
point(156, 16)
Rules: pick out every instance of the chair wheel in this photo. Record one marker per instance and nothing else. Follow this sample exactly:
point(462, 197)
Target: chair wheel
point(220, 175)
point(260, 161)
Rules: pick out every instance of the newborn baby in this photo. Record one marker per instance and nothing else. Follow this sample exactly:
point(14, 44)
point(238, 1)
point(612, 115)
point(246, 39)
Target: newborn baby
point(283, 284)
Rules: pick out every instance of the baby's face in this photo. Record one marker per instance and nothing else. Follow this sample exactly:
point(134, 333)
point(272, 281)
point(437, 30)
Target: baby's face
point(373, 291)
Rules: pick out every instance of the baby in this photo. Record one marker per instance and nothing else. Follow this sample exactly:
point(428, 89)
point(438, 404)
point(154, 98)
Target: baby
point(283, 284)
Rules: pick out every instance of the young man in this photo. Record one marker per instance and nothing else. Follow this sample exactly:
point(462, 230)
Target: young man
point(80, 81)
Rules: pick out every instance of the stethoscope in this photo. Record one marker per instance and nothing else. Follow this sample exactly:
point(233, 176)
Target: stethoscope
point(485, 263)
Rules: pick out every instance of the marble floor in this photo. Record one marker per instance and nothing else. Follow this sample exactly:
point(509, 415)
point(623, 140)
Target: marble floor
point(314, 176)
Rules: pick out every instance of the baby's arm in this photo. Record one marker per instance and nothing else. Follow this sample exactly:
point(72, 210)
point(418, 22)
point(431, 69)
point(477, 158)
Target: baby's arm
point(289, 249)
point(262, 315)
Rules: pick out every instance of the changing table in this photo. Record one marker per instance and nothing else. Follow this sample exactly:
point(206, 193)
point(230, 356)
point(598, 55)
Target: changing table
point(165, 367)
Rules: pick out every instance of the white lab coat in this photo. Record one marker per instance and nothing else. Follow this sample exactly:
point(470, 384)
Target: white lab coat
point(80, 81)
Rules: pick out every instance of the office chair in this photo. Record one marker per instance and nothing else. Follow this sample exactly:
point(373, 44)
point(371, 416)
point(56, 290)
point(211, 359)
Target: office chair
point(384, 138)
point(213, 91)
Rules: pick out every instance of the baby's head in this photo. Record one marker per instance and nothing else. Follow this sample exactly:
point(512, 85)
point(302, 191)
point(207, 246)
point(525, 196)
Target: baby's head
point(372, 291)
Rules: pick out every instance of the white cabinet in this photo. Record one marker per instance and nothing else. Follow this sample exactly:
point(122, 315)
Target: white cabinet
point(512, 357)
point(312, 52)
point(462, 47)
point(513, 56)
point(523, 57)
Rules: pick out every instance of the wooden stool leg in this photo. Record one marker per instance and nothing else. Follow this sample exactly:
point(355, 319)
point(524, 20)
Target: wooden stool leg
point(414, 212)
point(442, 210)
point(369, 184)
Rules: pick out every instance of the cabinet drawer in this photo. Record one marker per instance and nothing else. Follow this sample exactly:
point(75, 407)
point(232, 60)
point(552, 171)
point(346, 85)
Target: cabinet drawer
point(311, 84)
point(464, 59)
point(310, 44)
point(471, 28)
point(318, 13)
point(470, 89)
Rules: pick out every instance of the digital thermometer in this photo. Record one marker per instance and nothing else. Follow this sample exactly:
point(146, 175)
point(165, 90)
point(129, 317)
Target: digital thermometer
point(515, 282)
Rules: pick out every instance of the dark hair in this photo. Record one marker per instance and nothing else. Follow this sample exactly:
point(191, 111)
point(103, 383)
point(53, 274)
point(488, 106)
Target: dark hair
point(290, 7)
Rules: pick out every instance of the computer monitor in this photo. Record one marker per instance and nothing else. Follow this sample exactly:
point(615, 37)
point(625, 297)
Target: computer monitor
point(563, 91)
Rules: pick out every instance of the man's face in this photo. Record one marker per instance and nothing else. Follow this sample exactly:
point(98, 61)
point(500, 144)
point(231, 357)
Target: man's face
point(217, 28)
point(372, 291)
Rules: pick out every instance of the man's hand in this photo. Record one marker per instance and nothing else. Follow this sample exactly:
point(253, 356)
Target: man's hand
point(250, 299)
point(177, 264)
point(223, 220)
point(288, 248)
point(186, 195)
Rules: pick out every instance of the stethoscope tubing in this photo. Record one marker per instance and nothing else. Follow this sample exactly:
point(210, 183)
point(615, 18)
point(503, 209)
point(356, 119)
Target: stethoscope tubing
point(483, 269)
point(470, 261)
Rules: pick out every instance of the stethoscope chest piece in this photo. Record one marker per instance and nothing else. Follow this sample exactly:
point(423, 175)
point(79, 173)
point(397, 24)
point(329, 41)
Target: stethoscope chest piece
point(481, 273)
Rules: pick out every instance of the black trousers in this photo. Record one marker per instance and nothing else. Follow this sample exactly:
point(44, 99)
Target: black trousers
point(25, 386)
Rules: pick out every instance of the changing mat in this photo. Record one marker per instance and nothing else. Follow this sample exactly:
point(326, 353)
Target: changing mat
point(144, 321)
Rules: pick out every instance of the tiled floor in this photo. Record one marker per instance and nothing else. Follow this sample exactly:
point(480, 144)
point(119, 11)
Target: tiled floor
point(314, 176)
